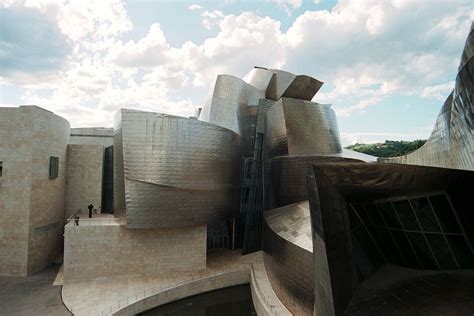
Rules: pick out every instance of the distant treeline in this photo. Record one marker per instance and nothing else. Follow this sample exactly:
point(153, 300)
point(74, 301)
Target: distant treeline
point(391, 148)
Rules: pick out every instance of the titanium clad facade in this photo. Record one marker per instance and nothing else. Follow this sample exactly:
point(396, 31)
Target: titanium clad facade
point(286, 84)
point(298, 127)
point(451, 143)
point(259, 78)
point(177, 171)
point(286, 178)
point(287, 247)
point(224, 106)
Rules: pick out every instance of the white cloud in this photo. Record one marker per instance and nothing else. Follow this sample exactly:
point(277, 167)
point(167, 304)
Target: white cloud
point(211, 18)
point(365, 51)
point(195, 7)
point(288, 5)
point(438, 92)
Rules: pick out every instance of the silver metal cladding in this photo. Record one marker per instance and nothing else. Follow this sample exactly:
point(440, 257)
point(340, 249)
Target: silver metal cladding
point(177, 171)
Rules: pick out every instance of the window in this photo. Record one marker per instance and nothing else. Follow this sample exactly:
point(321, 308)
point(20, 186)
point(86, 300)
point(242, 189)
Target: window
point(53, 167)
point(1, 168)
point(420, 232)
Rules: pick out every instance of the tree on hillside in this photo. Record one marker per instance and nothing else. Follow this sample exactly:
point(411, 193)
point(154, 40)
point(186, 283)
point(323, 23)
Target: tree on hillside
point(390, 148)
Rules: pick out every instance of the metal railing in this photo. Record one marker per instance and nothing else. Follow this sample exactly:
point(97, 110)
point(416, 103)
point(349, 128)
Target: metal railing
point(267, 301)
point(197, 276)
point(95, 221)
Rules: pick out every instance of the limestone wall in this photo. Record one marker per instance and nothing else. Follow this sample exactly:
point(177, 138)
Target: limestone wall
point(92, 136)
point(50, 135)
point(83, 178)
point(31, 204)
point(15, 184)
point(111, 250)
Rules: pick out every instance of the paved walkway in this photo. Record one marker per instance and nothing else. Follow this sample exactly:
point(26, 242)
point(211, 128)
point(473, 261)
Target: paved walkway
point(33, 295)
point(91, 297)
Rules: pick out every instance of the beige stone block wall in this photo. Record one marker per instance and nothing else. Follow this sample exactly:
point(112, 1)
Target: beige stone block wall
point(96, 251)
point(83, 178)
point(31, 204)
point(92, 136)
point(15, 185)
point(50, 135)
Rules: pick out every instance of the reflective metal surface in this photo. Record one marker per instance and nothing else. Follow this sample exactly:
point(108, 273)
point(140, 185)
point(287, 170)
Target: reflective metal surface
point(298, 127)
point(451, 144)
point(177, 171)
point(292, 223)
point(286, 84)
point(286, 178)
point(287, 256)
point(259, 78)
point(226, 100)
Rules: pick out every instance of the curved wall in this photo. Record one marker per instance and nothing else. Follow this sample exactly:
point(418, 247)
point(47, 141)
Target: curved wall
point(288, 261)
point(286, 178)
point(229, 95)
point(451, 144)
point(177, 171)
point(298, 127)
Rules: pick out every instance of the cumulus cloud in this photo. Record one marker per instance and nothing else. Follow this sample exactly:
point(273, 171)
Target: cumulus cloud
point(288, 5)
point(195, 7)
point(365, 51)
point(438, 92)
point(211, 18)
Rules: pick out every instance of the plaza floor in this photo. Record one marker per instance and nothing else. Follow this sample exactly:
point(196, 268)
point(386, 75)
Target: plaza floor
point(32, 295)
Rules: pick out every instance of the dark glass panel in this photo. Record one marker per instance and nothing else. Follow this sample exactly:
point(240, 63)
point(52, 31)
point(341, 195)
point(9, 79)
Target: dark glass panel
point(389, 215)
point(405, 247)
point(425, 214)
point(390, 250)
point(374, 214)
point(462, 252)
point(422, 250)
point(441, 251)
point(406, 215)
point(445, 214)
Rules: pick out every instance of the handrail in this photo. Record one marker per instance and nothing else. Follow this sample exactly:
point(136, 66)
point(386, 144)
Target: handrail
point(166, 286)
point(198, 275)
point(95, 221)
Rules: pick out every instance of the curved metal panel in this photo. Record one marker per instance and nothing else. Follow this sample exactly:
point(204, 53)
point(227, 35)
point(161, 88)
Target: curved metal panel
point(226, 100)
point(286, 84)
point(151, 205)
point(177, 171)
point(259, 78)
point(297, 127)
point(286, 178)
point(289, 265)
point(451, 144)
point(292, 223)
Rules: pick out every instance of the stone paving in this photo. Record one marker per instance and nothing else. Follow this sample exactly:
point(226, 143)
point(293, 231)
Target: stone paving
point(32, 295)
point(94, 296)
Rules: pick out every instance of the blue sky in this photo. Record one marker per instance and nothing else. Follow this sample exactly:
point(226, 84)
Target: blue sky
point(387, 65)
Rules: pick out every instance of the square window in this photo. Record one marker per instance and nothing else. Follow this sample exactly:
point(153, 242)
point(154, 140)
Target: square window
point(441, 251)
point(445, 214)
point(422, 250)
point(425, 215)
point(389, 215)
point(406, 215)
point(53, 167)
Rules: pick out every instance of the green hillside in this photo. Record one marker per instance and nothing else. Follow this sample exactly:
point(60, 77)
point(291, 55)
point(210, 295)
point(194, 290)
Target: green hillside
point(391, 148)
